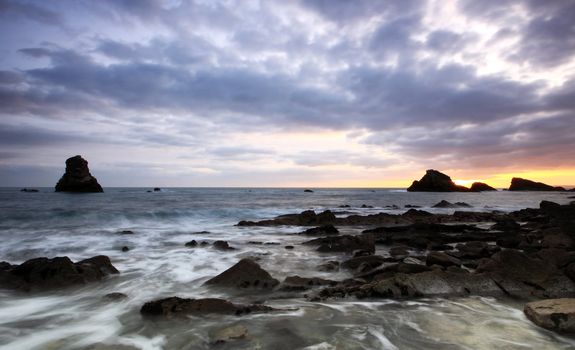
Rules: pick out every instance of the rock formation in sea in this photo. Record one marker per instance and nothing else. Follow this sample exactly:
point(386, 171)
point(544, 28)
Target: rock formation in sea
point(245, 274)
point(435, 181)
point(481, 187)
point(519, 184)
point(77, 177)
point(41, 274)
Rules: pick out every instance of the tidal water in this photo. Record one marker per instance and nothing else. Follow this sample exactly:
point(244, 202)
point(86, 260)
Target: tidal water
point(159, 265)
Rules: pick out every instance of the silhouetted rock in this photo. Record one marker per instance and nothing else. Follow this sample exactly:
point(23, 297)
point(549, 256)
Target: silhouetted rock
point(222, 245)
point(519, 184)
point(245, 274)
point(446, 204)
point(308, 191)
point(77, 177)
point(192, 243)
point(481, 187)
point(42, 274)
point(31, 190)
point(174, 307)
point(157, 189)
point(125, 249)
point(553, 314)
point(321, 231)
point(435, 181)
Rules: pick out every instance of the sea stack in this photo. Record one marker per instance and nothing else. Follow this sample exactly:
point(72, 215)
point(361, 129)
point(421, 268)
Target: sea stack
point(435, 181)
point(77, 177)
point(481, 187)
point(519, 184)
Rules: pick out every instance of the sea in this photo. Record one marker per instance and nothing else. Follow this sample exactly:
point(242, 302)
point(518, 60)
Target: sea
point(158, 265)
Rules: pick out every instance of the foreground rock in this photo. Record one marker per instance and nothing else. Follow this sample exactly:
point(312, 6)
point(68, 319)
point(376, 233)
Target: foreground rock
point(43, 274)
point(435, 181)
point(245, 274)
point(177, 307)
point(519, 184)
point(553, 314)
point(346, 243)
point(481, 187)
point(77, 177)
point(230, 333)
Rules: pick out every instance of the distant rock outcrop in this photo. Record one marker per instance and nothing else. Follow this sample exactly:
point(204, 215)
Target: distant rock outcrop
point(481, 187)
point(77, 177)
point(435, 181)
point(519, 184)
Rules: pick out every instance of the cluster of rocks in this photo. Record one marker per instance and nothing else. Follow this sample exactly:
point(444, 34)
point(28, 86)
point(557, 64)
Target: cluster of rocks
point(435, 181)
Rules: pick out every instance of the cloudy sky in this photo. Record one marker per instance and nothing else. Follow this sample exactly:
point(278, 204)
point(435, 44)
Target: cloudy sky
point(287, 93)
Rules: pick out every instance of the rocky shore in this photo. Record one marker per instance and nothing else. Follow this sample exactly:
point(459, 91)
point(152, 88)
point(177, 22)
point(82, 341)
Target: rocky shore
point(527, 254)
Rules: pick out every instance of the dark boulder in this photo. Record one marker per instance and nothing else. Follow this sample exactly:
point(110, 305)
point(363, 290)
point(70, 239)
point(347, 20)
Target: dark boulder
point(506, 225)
point(363, 262)
point(42, 274)
point(435, 181)
point(324, 230)
point(308, 191)
point(245, 274)
point(553, 314)
point(519, 184)
point(344, 243)
point(192, 243)
point(446, 204)
point(222, 245)
point(77, 177)
point(441, 259)
point(178, 307)
point(297, 283)
point(481, 187)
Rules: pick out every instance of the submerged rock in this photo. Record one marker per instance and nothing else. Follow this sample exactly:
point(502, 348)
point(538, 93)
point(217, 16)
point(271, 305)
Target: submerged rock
point(519, 184)
point(553, 314)
point(42, 274)
point(230, 333)
point(31, 190)
point(174, 307)
point(222, 245)
point(446, 204)
point(297, 283)
point(435, 181)
point(245, 274)
point(77, 177)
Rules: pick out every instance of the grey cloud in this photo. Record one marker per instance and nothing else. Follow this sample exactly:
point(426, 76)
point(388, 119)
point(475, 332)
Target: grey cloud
point(350, 10)
point(339, 157)
point(10, 77)
point(30, 11)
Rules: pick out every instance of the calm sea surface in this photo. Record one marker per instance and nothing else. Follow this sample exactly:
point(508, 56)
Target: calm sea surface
point(159, 265)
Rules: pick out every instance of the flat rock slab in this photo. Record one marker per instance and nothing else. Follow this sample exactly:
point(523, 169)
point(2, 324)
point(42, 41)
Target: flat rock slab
point(553, 314)
point(174, 306)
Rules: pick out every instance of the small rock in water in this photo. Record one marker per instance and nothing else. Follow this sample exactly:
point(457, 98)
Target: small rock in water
point(230, 333)
point(365, 206)
point(157, 189)
point(127, 232)
point(321, 230)
point(410, 206)
point(32, 190)
point(245, 274)
point(554, 314)
point(191, 243)
point(115, 296)
point(308, 191)
point(222, 245)
point(289, 247)
point(77, 177)
point(125, 249)
point(329, 266)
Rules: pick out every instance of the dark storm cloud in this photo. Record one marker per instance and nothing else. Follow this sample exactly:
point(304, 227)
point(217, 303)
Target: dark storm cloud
point(31, 136)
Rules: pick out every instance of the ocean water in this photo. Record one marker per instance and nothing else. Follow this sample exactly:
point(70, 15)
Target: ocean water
point(159, 265)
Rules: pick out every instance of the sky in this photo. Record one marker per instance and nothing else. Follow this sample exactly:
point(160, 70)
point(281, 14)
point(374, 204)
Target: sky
point(302, 93)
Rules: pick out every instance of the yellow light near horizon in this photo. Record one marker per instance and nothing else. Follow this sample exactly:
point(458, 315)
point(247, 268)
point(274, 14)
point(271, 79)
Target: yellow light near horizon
point(466, 183)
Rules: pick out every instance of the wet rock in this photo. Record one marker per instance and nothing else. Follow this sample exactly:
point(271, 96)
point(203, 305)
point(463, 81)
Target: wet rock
point(369, 262)
point(229, 334)
point(308, 191)
point(519, 184)
point(365, 206)
point(435, 181)
point(222, 245)
point(475, 250)
point(125, 249)
point(245, 274)
point(42, 274)
point(115, 296)
point(553, 314)
point(506, 225)
point(481, 187)
point(446, 204)
point(157, 189)
point(330, 266)
point(410, 206)
point(126, 232)
point(77, 177)
point(289, 247)
point(441, 259)
point(399, 252)
point(558, 240)
point(191, 243)
point(510, 241)
point(324, 230)
point(555, 257)
point(344, 243)
point(30, 190)
point(174, 307)
point(297, 283)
